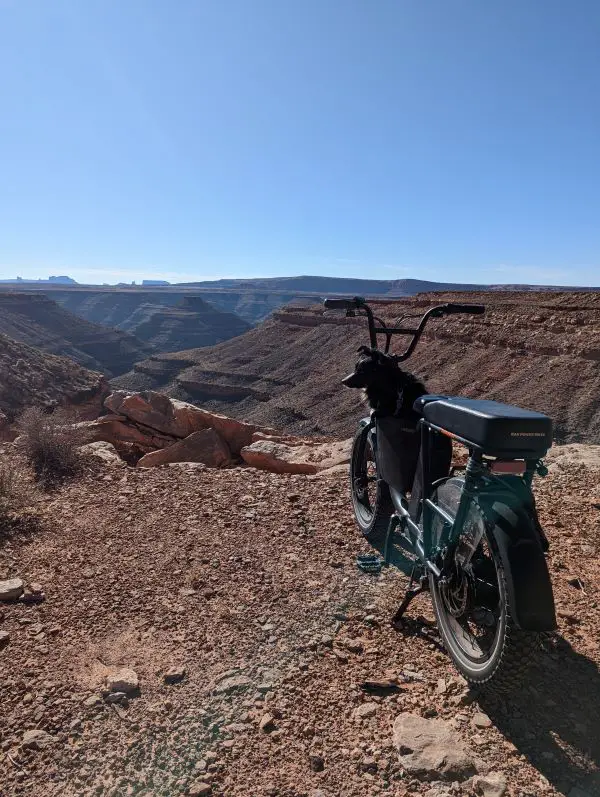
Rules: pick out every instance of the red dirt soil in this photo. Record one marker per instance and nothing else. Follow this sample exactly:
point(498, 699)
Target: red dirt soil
point(247, 575)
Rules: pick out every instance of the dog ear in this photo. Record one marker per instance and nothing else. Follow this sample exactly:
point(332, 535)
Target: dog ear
point(378, 356)
point(364, 350)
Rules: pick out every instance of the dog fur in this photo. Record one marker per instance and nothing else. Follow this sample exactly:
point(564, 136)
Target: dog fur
point(388, 389)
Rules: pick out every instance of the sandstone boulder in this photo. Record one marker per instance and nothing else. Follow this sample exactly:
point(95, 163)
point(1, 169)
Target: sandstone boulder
point(11, 589)
point(332, 472)
point(37, 739)
point(122, 680)
point(206, 447)
point(236, 434)
point(491, 785)
point(288, 439)
point(117, 430)
point(149, 408)
point(105, 452)
point(431, 748)
point(179, 419)
point(199, 789)
point(301, 457)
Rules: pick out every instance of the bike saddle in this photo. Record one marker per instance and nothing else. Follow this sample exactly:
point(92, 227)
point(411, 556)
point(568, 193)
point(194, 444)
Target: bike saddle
point(420, 403)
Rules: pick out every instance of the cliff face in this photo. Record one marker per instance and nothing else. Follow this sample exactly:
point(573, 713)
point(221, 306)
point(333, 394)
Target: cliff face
point(120, 307)
point(30, 377)
point(539, 350)
point(190, 324)
point(37, 321)
point(168, 319)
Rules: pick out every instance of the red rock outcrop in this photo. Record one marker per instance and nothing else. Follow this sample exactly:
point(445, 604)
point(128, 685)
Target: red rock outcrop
point(206, 447)
point(151, 429)
point(178, 419)
point(302, 456)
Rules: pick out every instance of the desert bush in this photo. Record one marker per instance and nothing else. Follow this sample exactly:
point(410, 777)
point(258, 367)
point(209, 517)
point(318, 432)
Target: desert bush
point(50, 442)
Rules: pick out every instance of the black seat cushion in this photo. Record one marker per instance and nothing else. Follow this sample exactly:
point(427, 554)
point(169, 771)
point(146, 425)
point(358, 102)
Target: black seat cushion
point(497, 429)
point(426, 399)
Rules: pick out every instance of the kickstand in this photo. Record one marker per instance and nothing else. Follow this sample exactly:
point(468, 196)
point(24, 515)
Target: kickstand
point(411, 593)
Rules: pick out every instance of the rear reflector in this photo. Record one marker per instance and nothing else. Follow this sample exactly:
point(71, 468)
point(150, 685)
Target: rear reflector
point(512, 466)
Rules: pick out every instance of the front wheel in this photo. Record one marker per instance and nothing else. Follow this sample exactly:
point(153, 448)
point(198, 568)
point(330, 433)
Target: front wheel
point(471, 605)
point(371, 498)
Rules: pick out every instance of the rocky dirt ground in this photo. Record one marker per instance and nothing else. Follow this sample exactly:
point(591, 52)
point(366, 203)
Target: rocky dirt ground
point(242, 586)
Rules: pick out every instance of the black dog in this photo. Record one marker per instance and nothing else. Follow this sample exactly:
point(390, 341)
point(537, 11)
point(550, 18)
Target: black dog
point(389, 390)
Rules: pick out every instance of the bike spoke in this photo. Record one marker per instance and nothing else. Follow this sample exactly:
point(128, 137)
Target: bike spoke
point(471, 598)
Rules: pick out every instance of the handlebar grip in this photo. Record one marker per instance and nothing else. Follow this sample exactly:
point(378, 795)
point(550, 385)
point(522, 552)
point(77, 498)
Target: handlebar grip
point(471, 309)
point(343, 304)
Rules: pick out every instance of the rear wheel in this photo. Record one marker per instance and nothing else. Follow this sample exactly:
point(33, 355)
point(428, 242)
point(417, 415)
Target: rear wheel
point(371, 499)
point(471, 605)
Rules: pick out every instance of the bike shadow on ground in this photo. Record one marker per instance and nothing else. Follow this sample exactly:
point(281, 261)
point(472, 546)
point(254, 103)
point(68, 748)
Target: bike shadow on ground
point(554, 720)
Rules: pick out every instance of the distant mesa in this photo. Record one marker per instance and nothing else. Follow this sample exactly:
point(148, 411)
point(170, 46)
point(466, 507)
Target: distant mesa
point(144, 284)
point(253, 300)
point(62, 280)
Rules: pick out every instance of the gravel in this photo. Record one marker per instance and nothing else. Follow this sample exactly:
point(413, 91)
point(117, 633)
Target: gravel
point(148, 535)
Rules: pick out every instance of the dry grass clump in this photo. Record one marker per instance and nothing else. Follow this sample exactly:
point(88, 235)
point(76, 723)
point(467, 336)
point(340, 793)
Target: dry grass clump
point(50, 443)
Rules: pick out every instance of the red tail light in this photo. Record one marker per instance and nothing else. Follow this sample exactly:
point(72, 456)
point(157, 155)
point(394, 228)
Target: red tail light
point(513, 466)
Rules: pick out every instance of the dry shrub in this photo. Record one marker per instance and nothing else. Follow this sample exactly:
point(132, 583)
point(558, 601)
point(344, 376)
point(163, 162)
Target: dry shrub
point(50, 442)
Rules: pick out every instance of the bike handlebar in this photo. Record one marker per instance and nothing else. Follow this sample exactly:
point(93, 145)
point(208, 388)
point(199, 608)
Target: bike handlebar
point(358, 303)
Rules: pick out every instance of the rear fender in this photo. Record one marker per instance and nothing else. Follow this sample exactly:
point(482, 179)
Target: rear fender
point(527, 578)
point(366, 427)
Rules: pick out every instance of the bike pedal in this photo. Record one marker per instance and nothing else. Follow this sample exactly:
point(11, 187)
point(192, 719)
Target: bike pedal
point(369, 563)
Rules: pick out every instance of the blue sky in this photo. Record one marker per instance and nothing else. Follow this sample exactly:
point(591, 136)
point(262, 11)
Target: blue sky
point(436, 139)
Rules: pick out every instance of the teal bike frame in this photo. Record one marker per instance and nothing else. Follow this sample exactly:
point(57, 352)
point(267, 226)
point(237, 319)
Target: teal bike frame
point(413, 533)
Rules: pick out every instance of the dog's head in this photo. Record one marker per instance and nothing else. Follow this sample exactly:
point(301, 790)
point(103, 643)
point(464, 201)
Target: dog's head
point(372, 366)
point(387, 387)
